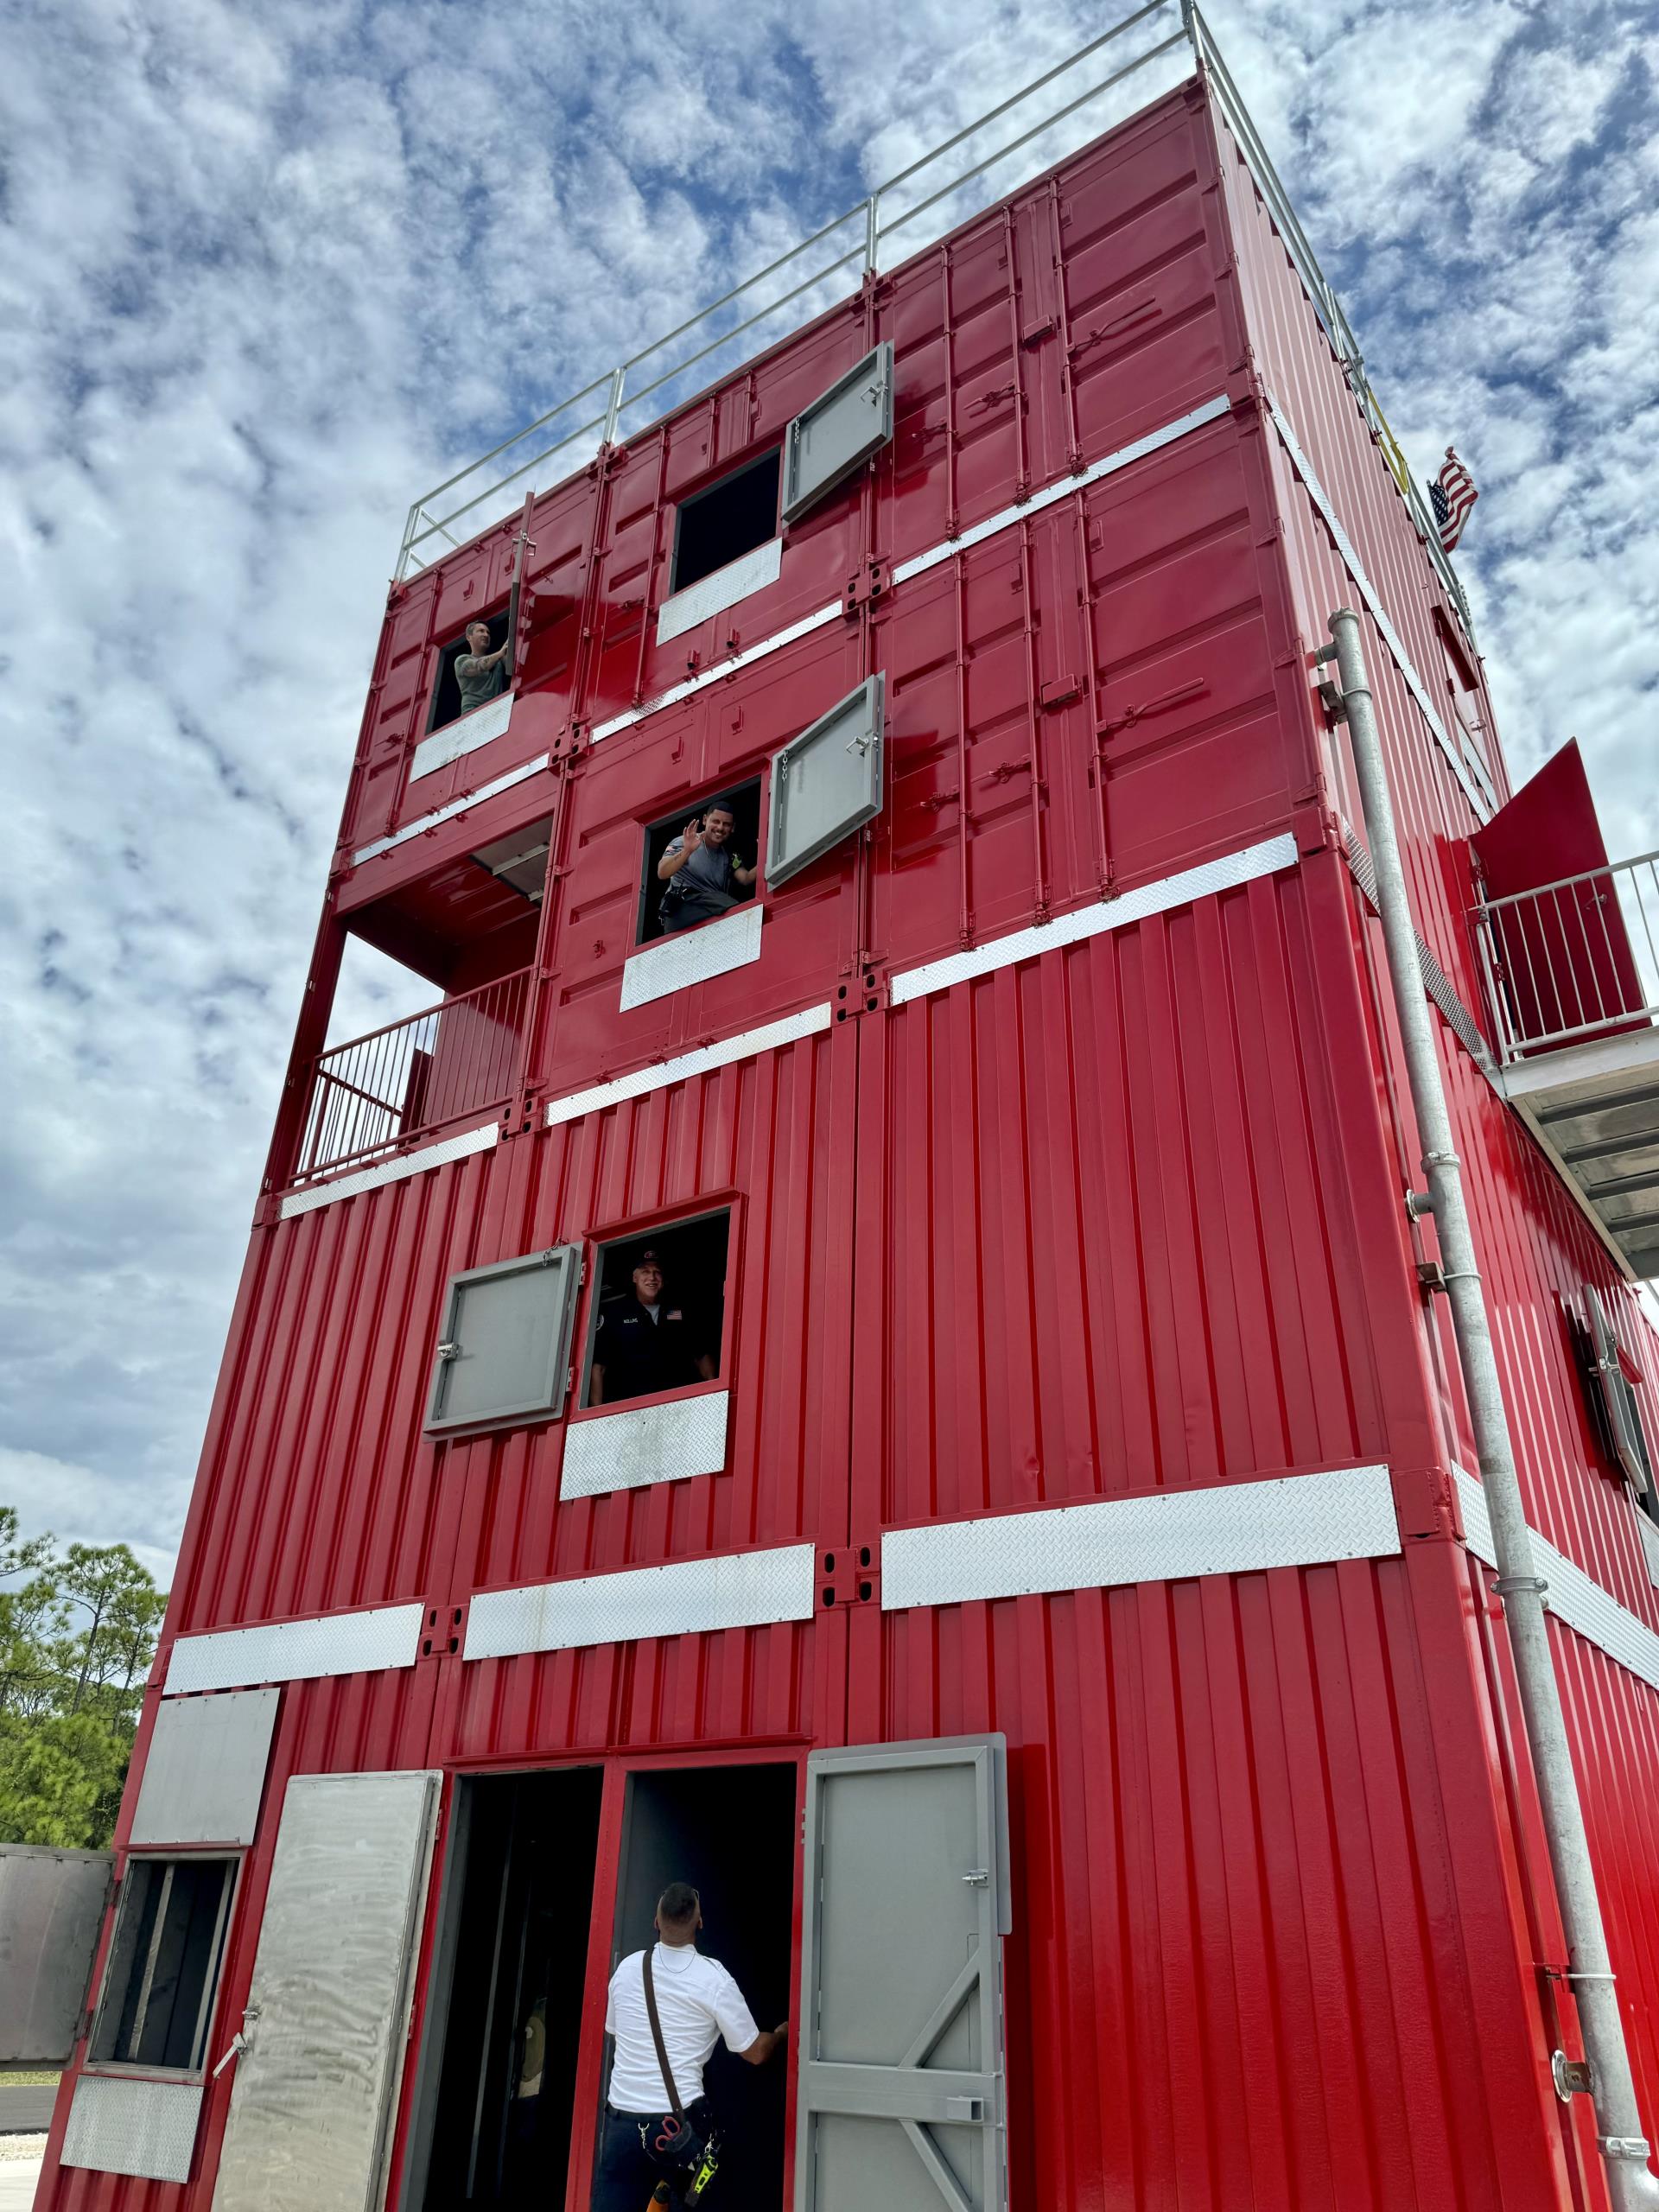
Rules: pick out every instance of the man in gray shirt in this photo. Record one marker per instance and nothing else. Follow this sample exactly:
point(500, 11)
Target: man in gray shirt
point(701, 869)
point(480, 673)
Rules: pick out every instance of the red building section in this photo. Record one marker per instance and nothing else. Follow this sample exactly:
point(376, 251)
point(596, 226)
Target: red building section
point(1053, 1623)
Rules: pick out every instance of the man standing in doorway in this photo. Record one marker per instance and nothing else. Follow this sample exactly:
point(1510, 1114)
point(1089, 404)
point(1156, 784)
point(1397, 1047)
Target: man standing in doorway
point(646, 1343)
point(480, 673)
point(700, 869)
point(697, 2003)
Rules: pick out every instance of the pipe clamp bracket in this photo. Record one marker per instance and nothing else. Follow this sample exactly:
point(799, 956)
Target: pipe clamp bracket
point(1506, 1583)
point(1624, 2147)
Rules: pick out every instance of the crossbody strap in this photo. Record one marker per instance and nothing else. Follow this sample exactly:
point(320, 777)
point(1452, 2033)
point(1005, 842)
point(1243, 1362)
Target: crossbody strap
point(657, 2036)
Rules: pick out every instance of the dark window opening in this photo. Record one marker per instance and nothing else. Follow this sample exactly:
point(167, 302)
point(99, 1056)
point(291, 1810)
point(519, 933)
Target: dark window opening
point(683, 1826)
point(696, 894)
point(446, 692)
point(730, 518)
point(633, 1353)
point(169, 1939)
point(1611, 1403)
point(514, 1951)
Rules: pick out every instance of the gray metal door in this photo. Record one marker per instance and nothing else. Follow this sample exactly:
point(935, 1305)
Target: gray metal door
point(900, 2097)
point(321, 2053)
point(826, 782)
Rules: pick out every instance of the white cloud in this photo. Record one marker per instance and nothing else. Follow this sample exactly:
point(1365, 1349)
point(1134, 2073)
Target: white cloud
point(265, 272)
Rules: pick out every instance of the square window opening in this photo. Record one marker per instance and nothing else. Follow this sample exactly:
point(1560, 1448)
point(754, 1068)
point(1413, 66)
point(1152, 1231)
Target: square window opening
point(729, 519)
point(658, 1318)
point(165, 1958)
point(449, 702)
point(699, 892)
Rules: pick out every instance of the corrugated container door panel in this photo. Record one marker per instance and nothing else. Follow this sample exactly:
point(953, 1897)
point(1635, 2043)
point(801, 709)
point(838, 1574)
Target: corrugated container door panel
point(1184, 690)
point(397, 715)
point(635, 534)
point(555, 601)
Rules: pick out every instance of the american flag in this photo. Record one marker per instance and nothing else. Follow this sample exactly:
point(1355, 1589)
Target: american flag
point(1451, 494)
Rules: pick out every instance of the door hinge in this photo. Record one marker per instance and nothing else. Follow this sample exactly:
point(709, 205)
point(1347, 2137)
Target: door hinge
point(865, 586)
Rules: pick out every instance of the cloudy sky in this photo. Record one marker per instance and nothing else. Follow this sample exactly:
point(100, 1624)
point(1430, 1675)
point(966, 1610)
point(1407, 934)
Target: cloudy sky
point(266, 271)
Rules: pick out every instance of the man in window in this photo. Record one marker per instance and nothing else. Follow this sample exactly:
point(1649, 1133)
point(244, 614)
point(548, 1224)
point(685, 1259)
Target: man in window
point(697, 2003)
point(700, 869)
point(480, 673)
point(647, 1342)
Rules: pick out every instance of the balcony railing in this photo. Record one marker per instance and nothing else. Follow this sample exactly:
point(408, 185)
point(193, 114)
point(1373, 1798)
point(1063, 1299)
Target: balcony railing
point(1573, 960)
point(377, 1094)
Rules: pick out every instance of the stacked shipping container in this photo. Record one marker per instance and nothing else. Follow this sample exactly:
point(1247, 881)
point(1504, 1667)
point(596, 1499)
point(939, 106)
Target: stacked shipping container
point(1060, 1116)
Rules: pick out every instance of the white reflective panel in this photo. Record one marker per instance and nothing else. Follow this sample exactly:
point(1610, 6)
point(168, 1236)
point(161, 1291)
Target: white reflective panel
point(291, 1651)
point(391, 1171)
point(473, 732)
point(694, 956)
point(636, 1446)
point(1223, 1529)
point(702, 1061)
point(205, 1772)
point(1156, 898)
point(317, 2085)
point(118, 2125)
point(712, 593)
point(417, 829)
point(693, 1596)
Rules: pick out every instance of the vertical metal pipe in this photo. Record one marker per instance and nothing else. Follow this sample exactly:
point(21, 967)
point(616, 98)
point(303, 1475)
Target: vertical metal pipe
point(872, 233)
point(1632, 2186)
point(613, 404)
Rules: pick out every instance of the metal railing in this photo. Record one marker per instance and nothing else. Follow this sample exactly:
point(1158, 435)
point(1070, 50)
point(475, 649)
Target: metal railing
point(607, 407)
point(1327, 305)
point(1573, 960)
point(713, 338)
point(375, 1094)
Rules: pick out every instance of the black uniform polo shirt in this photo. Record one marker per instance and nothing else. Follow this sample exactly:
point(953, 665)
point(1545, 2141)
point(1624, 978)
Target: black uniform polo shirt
point(640, 1356)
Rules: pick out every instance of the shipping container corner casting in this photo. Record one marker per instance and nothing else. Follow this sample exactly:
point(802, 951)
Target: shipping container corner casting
point(906, 900)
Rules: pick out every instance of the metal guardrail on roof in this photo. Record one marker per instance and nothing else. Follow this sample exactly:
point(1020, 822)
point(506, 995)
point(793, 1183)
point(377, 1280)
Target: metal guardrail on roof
point(713, 339)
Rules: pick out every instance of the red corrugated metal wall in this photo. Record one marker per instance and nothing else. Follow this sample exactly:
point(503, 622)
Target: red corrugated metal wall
point(1111, 1219)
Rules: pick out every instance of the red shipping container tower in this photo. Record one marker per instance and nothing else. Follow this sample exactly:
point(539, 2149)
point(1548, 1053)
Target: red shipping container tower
point(1029, 1573)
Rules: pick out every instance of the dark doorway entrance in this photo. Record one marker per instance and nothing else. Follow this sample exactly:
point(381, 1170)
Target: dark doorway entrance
point(731, 1832)
point(501, 2136)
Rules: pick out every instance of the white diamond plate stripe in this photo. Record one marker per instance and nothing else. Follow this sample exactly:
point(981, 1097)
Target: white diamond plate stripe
point(1571, 1594)
point(718, 672)
point(920, 564)
point(1224, 1529)
point(647, 1444)
point(121, 2126)
point(714, 948)
point(391, 1171)
point(426, 822)
point(365, 1642)
point(721, 589)
point(1233, 868)
point(455, 740)
point(1471, 772)
point(691, 1598)
point(661, 1073)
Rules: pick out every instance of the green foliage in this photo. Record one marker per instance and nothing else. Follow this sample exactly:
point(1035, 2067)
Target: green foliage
point(78, 1631)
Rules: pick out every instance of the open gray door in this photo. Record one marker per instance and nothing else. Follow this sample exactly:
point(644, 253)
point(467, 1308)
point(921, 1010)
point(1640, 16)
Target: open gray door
point(320, 2054)
point(826, 782)
point(839, 431)
point(1622, 1413)
point(900, 2097)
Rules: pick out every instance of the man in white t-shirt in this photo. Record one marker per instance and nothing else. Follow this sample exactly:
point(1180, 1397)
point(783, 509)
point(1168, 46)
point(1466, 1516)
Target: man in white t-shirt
point(697, 2003)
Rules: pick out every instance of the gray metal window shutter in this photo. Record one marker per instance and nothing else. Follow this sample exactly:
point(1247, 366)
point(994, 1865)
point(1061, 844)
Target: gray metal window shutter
point(907, 1900)
point(505, 1346)
point(1624, 1416)
point(826, 782)
point(321, 2048)
point(841, 429)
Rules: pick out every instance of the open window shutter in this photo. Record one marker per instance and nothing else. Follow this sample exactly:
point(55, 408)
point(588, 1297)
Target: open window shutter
point(506, 1346)
point(900, 2098)
point(839, 431)
point(826, 782)
point(317, 2070)
point(1623, 1417)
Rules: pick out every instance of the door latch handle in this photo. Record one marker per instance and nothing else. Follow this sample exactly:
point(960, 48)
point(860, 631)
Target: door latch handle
point(238, 2044)
point(978, 1877)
